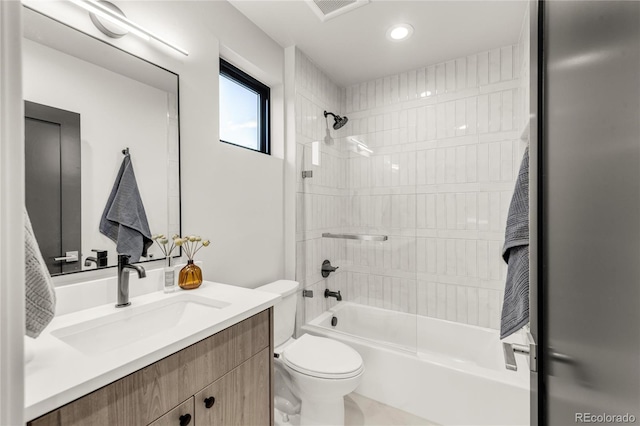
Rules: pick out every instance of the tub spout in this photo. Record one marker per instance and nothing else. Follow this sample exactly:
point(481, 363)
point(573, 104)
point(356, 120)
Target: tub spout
point(336, 294)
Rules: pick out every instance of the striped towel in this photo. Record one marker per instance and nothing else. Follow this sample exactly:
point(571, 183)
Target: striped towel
point(515, 309)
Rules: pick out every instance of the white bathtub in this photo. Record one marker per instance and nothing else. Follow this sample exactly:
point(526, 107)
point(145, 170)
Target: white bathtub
point(455, 377)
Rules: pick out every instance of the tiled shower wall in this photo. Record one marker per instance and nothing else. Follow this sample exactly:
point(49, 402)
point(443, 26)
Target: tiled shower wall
point(429, 158)
point(321, 200)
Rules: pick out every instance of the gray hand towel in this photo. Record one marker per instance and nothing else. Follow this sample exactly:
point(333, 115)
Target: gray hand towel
point(515, 309)
point(124, 220)
point(40, 296)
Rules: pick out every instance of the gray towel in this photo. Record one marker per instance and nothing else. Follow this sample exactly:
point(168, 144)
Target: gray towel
point(40, 296)
point(124, 220)
point(515, 309)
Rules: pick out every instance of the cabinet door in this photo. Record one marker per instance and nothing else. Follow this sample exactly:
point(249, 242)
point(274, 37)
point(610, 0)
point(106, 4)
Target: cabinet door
point(182, 415)
point(240, 397)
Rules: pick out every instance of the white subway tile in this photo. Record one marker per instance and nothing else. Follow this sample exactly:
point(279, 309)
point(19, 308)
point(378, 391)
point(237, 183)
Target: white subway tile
point(494, 65)
point(432, 299)
point(506, 63)
point(451, 303)
point(386, 90)
point(421, 83)
point(371, 93)
point(483, 68)
point(472, 306)
point(431, 122)
point(483, 259)
point(441, 256)
point(461, 211)
point(450, 113)
point(507, 110)
point(461, 73)
point(483, 307)
point(395, 89)
point(494, 161)
point(440, 165)
point(441, 303)
point(461, 164)
point(441, 211)
point(379, 93)
point(450, 206)
point(483, 114)
point(431, 80)
point(494, 211)
point(461, 117)
point(506, 154)
point(430, 159)
point(471, 258)
point(364, 99)
point(471, 163)
point(441, 85)
point(450, 165)
point(472, 71)
point(411, 84)
point(483, 163)
point(471, 116)
point(403, 89)
point(450, 70)
point(430, 210)
point(472, 210)
point(461, 305)
point(451, 257)
point(495, 114)
point(441, 121)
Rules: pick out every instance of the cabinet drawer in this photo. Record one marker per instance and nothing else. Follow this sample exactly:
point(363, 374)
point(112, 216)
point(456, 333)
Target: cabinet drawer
point(226, 350)
point(137, 399)
point(240, 398)
point(182, 415)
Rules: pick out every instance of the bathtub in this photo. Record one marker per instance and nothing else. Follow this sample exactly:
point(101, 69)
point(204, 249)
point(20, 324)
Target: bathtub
point(455, 377)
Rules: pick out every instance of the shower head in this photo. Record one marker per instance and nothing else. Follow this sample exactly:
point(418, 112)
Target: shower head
point(338, 121)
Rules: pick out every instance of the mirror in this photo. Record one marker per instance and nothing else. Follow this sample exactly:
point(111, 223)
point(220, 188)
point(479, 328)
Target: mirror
point(96, 100)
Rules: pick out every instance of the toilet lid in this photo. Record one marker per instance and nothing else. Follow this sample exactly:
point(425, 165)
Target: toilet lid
point(322, 357)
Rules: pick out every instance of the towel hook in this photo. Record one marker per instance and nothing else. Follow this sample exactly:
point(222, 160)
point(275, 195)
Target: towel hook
point(126, 151)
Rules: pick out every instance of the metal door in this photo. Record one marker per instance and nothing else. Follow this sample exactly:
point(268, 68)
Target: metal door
point(590, 212)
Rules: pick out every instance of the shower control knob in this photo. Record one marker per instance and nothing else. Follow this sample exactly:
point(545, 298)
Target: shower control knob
point(185, 419)
point(208, 402)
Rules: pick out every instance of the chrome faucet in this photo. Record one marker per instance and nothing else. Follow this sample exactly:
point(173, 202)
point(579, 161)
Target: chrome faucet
point(336, 294)
point(123, 279)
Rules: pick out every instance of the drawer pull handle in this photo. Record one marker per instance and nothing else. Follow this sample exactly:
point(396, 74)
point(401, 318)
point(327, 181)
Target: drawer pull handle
point(208, 402)
point(185, 419)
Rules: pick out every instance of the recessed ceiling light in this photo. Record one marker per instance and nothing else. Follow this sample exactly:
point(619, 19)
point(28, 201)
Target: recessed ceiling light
point(399, 32)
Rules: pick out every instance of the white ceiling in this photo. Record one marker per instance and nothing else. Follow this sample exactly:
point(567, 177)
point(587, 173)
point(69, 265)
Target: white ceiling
point(353, 47)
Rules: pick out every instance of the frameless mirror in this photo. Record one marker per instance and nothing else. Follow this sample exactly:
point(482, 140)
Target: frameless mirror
point(85, 102)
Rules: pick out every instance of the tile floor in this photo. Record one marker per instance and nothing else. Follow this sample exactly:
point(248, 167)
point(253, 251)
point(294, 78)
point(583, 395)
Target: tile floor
point(361, 411)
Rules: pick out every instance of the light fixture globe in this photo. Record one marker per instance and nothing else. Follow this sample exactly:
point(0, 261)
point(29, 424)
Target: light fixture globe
point(399, 32)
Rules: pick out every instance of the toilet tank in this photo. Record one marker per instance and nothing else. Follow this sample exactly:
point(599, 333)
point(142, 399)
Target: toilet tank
point(284, 312)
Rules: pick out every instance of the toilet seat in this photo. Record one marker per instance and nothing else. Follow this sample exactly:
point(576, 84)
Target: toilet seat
point(322, 357)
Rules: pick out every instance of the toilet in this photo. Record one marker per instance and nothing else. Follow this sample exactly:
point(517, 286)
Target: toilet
point(312, 374)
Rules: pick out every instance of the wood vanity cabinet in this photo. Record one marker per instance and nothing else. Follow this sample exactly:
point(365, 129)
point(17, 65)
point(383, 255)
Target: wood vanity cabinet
point(225, 379)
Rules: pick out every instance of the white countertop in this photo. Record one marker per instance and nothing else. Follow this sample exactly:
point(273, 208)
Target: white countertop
point(59, 373)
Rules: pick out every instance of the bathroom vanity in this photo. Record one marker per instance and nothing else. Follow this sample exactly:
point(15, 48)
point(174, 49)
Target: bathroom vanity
point(213, 367)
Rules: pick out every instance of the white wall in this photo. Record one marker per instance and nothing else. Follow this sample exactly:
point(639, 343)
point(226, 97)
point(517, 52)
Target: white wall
point(230, 195)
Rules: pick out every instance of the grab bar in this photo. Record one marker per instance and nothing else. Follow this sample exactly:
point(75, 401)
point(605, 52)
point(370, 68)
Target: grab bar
point(356, 237)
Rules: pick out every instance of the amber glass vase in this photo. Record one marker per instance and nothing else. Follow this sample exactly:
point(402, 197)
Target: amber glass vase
point(190, 276)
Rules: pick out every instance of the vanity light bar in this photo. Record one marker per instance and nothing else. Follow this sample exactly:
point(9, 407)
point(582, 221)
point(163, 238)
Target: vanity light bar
point(95, 7)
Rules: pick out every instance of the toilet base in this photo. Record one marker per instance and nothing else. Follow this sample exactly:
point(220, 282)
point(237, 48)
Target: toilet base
point(322, 412)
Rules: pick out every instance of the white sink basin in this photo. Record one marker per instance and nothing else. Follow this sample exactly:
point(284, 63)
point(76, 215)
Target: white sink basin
point(135, 323)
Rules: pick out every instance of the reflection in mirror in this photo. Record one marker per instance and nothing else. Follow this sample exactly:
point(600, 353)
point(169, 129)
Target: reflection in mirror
point(118, 101)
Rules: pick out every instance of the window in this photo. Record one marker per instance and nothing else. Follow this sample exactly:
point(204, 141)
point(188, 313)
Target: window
point(244, 109)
